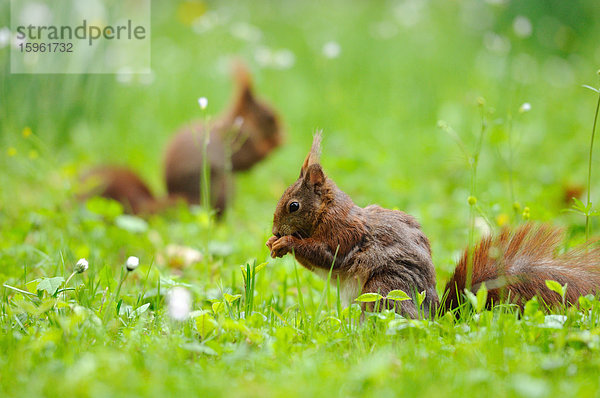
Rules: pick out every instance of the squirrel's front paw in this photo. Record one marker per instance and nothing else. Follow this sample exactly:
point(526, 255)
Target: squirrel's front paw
point(282, 246)
point(270, 242)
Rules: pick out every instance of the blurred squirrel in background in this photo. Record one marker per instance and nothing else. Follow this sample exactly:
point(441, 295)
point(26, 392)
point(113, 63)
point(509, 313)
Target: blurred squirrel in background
point(241, 137)
point(377, 250)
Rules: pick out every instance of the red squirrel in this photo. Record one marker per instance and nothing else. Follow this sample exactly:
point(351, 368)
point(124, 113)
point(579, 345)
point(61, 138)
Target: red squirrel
point(244, 135)
point(241, 137)
point(377, 250)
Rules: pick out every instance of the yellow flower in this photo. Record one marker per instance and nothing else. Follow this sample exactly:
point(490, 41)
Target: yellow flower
point(502, 219)
point(33, 154)
point(11, 151)
point(190, 11)
point(27, 132)
point(526, 213)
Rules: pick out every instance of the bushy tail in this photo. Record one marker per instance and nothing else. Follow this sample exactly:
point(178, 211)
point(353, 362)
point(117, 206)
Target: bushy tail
point(122, 185)
point(516, 264)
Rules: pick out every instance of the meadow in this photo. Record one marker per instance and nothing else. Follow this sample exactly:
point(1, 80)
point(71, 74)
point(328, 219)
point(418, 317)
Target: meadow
point(408, 93)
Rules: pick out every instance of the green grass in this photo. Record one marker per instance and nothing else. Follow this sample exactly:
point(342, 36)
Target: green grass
point(379, 104)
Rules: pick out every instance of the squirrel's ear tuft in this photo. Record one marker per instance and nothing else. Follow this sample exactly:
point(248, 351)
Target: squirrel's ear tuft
point(241, 74)
point(314, 155)
point(243, 81)
point(314, 177)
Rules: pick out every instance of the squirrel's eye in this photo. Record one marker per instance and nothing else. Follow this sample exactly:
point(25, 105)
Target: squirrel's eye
point(294, 206)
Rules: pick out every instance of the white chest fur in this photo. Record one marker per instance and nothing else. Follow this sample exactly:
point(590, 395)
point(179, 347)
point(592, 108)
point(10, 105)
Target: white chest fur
point(349, 286)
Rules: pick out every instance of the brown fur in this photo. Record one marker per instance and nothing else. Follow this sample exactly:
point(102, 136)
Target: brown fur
point(377, 249)
point(382, 250)
point(570, 192)
point(241, 137)
point(124, 186)
point(516, 264)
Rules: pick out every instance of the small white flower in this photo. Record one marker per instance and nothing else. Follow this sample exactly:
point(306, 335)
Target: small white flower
point(482, 226)
point(522, 26)
point(124, 75)
point(332, 49)
point(132, 263)
point(203, 102)
point(81, 266)
point(208, 21)
point(278, 59)
point(247, 32)
point(526, 107)
point(179, 303)
point(182, 256)
point(283, 59)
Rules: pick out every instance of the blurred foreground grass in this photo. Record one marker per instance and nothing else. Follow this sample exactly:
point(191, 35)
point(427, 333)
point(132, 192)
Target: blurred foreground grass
point(377, 77)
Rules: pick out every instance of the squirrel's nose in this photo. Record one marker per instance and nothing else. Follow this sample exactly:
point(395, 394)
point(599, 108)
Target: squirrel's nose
point(276, 233)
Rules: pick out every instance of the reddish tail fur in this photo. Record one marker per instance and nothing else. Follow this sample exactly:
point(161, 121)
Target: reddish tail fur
point(124, 186)
point(516, 264)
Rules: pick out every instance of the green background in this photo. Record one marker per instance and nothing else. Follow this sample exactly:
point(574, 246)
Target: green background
point(403, 67)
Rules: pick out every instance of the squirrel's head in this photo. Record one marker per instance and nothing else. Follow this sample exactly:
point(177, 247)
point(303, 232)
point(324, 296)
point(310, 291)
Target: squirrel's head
point(298, 209)
point(257, 118)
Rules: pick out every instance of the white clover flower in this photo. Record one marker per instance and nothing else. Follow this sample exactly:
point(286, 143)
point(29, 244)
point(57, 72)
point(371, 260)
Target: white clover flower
point(482, 226)
point(526, 107)
point(522, 26)
point(245, 31)
point(332, 49)
point(203, 102)
point(124, 75)
point(409, 13)
point(81, 266)
point(132, 263)
point(182, 256)
point(208, 21)
point(283, 59)
point(179, 304)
